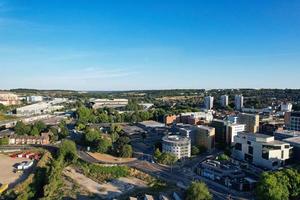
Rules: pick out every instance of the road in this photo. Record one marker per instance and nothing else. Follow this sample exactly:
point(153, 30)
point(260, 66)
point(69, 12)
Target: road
point(178, 175)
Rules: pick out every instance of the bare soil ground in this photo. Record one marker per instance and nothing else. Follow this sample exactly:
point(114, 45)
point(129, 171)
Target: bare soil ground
point(110, 159)
point(7, 167)
point(109, 190)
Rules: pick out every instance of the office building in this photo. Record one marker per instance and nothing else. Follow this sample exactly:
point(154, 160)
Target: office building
point(232, 131)
point(220, 131)
point(8, 99)
point(38, 109)
point(209, 102)
point(261, 150)
point(292, 121)
point(250, 120)
point(177, 145)
point(239, 102)
point(284, 134)
point(109, 103)
point(204, 136)
point(286, 107)
point(34, 99)
point(224, 101)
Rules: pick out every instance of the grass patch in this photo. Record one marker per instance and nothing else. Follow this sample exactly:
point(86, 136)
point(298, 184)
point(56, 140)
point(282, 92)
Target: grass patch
point(101, 173)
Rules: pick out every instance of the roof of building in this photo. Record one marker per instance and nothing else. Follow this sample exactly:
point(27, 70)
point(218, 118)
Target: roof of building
point(287, 132)
point(152, 124)
point(258, 135)
point(176, 139)
point(294, 140)
point(208, 128)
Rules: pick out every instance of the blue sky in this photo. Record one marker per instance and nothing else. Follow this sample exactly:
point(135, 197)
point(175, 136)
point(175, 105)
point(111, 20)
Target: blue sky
point(149, 44)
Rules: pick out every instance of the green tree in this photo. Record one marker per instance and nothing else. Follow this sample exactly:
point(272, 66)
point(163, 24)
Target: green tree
point(167, 159)
point(64, 132)
point(223, 157)
point(4, 141)
point(157, 153)
point(198, 191)
point(22, 129)
point(34, 131)
point(271, 188)
point(83, 114)
point(92, 136)
point(195, 150)
point(41, 126)
point(293, 182)
point(68, 151)
point(118, 145)
point(103, 145)
point(126, 151)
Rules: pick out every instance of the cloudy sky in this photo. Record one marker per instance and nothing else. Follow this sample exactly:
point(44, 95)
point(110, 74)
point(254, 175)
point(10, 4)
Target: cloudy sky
point(149, 44)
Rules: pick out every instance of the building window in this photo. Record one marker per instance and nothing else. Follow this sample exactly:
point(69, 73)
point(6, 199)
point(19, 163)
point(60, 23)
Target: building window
point(238, 146)
point(248, 142)
point(265, 155)
point(250, 150)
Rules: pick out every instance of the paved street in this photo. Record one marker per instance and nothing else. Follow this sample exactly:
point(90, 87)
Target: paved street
point(179, 175)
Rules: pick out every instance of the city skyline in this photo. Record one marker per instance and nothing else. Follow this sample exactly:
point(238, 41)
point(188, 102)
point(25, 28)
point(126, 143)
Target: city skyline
point(133, 45)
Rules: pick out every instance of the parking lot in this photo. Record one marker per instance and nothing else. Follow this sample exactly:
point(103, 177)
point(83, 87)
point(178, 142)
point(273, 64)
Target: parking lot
point(7, 168)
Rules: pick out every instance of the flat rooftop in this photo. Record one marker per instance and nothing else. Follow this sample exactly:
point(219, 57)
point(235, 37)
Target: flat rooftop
point(152, 123)
point(208, 128)
point(257, 135)
point(294, 140)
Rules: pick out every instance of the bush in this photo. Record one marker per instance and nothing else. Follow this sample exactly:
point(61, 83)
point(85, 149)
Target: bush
point(102, 173)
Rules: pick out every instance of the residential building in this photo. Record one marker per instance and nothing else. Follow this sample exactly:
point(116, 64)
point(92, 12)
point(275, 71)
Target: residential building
point(261, 150)
point(194, 118)
point(8, 99)
point(209, 102)
point(292, 121)
point(250, 120)
point(34, 99)
point(286, 107)
point(204, 136)
point(25, 139)
point(220, 131)
point(109, 103)
point(177, 145)
point(224, 101)
point(232, 131)
point(239, 102)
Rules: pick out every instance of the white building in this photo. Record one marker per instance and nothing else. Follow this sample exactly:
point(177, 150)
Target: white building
point(33, 99)
point(224, 101)
point(209, 102)
point(261, 150)
point(239, 102)
point(177, 145)
point(232, 131)
point(286, 107)
point(38, 109)
point(207, 115)
point(110, 103)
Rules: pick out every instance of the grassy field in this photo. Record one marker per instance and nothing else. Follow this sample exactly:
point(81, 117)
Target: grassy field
point(6, 117)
